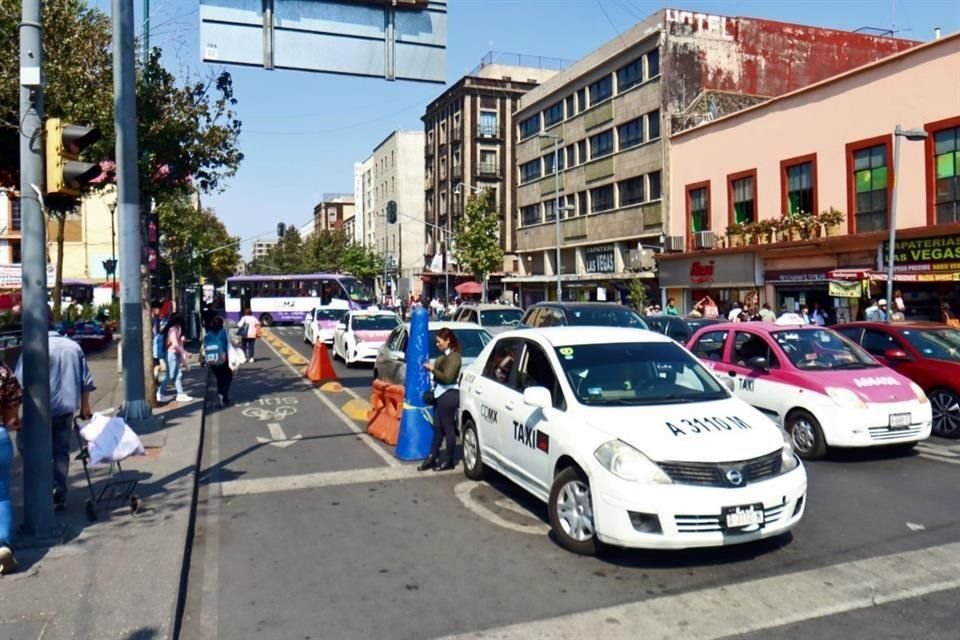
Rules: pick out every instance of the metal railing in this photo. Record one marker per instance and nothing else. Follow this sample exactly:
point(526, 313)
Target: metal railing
point(492, 132)
point(488, 169)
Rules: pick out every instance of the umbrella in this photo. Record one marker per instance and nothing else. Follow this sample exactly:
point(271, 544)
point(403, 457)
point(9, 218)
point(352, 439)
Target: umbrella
point(469, 288)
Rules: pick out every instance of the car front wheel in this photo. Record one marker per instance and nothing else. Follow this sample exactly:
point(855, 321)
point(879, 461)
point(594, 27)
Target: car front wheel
point(946, 413)
point(807, 436)
point(472, 460)
point(571, 512)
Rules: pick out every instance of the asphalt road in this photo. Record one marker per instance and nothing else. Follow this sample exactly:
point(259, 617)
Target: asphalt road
point(309, 529)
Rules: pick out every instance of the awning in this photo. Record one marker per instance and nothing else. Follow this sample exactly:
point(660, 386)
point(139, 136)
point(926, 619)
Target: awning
point(881, 276)
point(584, 277)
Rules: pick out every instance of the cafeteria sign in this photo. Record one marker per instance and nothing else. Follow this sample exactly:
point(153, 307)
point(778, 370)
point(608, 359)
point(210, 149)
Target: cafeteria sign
point(844, 289)
point(941, 249)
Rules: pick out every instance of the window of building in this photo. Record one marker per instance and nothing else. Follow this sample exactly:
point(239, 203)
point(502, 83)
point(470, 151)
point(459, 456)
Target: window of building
point(630, 75)
point(570, 206)
point(571, 153)
point(698, 206)
point(798, 186)
point(15, 215)
point(582, 151)
point(653, 63)
point(743, 199)
point(571, 106)
point(870, 188)
point(581, 100)
point(488, 124)
point(653, 185)
point(530, 214)
point(549, 210)
point(946, 162)
point(530, 126)
point(548, 164)
point(529, 171)
point(601, 144)
point(553, 114)
point(488, 162)
point(601, 198)
point(630, 134)
point(582, 203)
point(601, 90)
point(631, 191)
point(653, 124)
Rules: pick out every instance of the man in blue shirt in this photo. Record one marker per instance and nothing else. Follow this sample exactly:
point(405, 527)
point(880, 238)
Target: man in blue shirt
point(70, 387)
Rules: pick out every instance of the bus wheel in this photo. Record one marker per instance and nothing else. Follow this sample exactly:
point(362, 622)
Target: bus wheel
point(266, 319)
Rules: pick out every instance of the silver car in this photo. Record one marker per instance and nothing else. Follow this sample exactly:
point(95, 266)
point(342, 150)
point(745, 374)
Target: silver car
point(495, 318)
point(391, 365)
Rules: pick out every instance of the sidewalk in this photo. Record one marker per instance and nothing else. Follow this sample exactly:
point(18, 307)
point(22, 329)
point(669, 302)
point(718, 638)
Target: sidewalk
point(118, 577)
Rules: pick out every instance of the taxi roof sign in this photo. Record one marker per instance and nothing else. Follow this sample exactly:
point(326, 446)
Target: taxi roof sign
point(790, 319)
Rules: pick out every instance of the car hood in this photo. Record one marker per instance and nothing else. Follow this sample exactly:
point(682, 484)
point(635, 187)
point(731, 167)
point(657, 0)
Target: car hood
point(498, 330)
point(878, 384)
point(372, 336)
point(719, 431)
point(327, 324)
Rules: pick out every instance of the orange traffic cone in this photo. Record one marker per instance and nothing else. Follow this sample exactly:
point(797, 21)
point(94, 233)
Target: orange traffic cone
point(321, 368)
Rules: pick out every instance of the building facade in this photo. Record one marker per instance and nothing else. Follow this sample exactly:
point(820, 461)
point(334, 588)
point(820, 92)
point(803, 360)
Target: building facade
point(469, 147)
point(610, 116)
point(90, 237)
point(9, 227)
point(262, 247)
point(394, 172)
point(800, 214)
point(333, 211)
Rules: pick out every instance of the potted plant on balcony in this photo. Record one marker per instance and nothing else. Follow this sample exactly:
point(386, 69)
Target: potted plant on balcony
point(832, 219)
point(765, 231)
point(793, 224)
point(735, 235)
point(809, 227)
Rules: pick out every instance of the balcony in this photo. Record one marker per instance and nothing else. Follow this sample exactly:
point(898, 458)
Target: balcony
point(456, 134)
point(489, 132)
point(456, 171)
point(488, 170)
point(428, 150)
point(428, 182)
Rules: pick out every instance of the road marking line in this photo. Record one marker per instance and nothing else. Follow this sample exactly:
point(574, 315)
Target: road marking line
point(344, 418)
point(322, 479)
point(347, 390)
point(210, 584)
point(709, 614)
point(463, 490)
point(939, 458)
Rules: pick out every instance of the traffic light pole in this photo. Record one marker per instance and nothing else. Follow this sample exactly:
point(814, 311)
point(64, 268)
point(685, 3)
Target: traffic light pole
point(38, 520)
point(135, 406)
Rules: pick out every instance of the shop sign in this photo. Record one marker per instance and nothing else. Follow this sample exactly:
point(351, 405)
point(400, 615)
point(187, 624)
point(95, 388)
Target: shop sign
point(844, 289)
point(599, 259)
point(701, 272)
point(733, 270)
point(938, 254)
point(783, 277)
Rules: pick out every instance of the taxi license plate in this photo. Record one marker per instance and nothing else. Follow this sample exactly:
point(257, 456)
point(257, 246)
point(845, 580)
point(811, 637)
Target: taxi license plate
point(743, 516)
point(899, 420)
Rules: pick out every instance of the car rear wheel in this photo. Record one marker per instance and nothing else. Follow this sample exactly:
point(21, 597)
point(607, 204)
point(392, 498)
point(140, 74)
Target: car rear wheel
point(266, 319)
point(946, 413)
point(472, 460)
point(807, 436)
point(571, 512)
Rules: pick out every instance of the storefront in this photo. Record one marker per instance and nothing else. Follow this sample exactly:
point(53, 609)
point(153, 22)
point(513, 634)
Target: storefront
point(926, 272)
point(734, 277)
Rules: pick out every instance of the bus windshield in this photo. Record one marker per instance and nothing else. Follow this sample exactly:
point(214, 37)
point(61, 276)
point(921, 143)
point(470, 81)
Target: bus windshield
point(356, 290)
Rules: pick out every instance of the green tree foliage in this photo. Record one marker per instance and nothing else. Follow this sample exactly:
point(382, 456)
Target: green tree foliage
point(477, 237)
point(322, 251)
point(637, 295)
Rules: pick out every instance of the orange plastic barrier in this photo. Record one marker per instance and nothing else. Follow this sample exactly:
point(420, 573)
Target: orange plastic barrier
point(321, 367)
point(383, 420)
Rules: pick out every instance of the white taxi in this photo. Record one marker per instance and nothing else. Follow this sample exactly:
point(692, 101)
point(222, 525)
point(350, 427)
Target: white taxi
point(360, 334)
point(629, 439)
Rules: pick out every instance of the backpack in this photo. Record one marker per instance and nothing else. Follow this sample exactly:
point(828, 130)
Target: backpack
point(213, 352)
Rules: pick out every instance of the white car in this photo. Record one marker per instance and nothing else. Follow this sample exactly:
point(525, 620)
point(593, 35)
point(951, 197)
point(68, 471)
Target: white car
point(320, 323)
point(359, 335)
point(628, 439)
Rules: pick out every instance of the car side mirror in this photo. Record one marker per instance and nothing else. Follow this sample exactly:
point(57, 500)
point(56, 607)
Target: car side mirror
point(400, 356)
point(896, 354)
point(537, 397)
point(758, 362)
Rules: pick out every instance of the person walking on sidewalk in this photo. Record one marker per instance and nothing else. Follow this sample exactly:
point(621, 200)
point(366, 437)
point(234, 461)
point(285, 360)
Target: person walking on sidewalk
point(10, 395)
point(70, 387)
point(176, 357)
point(216, 347)
point(249, 331)
point(446, 392)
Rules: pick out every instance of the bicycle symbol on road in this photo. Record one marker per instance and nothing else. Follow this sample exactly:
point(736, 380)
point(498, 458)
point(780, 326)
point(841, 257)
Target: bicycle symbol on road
point(272, 409)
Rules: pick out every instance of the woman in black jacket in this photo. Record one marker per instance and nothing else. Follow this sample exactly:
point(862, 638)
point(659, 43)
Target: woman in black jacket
point(446, 391)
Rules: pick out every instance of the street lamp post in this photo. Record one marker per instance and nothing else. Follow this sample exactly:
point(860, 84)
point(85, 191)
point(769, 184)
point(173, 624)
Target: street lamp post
point(556, 204)
point(913, 135)
point(113, 247)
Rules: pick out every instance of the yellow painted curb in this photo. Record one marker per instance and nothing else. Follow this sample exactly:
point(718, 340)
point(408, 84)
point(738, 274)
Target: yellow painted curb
point(357, 409)
point(334, 387)
point(297, 359)
point(285, 351)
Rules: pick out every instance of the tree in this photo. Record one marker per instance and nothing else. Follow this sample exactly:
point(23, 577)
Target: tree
point(478, 238)
point(334, 251)
point(59, 209)
point(637, 295)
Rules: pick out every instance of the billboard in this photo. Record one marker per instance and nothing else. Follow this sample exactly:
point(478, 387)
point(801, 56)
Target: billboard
point(403, 40)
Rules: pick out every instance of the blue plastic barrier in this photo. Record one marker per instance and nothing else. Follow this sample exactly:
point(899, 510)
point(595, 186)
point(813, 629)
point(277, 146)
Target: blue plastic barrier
point(416, 423)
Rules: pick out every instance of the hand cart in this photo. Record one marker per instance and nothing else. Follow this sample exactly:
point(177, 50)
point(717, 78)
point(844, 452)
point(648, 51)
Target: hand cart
point(114, 491)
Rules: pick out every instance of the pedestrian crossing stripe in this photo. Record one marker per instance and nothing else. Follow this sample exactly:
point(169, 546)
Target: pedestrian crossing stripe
point(949, 454)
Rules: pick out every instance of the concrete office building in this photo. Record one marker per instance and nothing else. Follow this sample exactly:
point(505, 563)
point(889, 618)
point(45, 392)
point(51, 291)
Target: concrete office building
point(613, 112)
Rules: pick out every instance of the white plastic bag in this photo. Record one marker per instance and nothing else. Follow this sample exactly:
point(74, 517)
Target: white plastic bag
point(110, 440)
point(235, 357)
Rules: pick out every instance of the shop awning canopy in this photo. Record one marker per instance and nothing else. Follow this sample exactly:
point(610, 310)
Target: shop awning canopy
point(469, 288)
point(898, 276)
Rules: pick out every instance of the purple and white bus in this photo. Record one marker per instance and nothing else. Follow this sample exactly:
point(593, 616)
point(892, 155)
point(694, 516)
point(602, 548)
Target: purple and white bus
point(288, 298)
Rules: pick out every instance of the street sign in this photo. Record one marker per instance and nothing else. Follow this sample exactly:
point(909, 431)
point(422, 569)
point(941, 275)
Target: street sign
point(406, 40)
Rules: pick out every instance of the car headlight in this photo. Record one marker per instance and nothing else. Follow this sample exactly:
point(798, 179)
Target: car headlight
point(917, 391)
point(845, 398)
point(788, 457)
point(627, 463)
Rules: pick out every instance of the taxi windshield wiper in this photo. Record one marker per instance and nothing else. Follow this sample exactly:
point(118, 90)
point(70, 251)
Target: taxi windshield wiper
point(856, 365)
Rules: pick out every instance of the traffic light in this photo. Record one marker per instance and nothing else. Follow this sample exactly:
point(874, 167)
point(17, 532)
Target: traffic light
point(281, 229)
point(66, 175)
point(392, 211)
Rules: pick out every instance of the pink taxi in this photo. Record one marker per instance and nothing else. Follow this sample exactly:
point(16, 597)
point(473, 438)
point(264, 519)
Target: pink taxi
point(823, 389)
point(359, 335)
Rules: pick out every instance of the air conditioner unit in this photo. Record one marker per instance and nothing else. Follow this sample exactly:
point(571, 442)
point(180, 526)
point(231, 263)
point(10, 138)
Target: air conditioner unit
point(704, 240)
point(642, 260)
point(674, 243)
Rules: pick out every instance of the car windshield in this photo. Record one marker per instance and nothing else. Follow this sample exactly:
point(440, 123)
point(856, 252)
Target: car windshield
point(636, 373)
point(821, 349)
point(938, 344)
point(329, 314)
point(611, 316)
point(375, 323)
point(472, 342)
point(356, 290)
point(501, 318)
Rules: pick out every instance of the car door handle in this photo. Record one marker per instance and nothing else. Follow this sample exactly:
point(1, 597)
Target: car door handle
point(509, 406)
point(478, 391)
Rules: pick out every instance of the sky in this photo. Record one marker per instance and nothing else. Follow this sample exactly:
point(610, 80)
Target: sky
point(303, 132)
